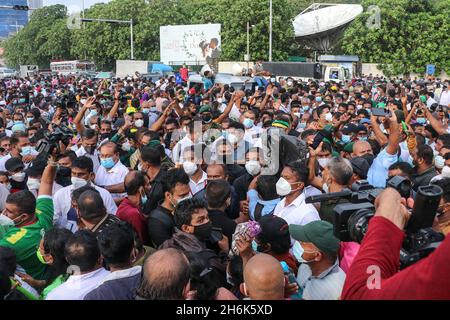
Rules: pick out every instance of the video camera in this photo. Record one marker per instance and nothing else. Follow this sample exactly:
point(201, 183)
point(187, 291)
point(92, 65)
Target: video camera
point(49, 141)
point(351, 219)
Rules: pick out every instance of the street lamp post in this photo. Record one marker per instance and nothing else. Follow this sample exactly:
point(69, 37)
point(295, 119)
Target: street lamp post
point(247, 56)
point(270, 29)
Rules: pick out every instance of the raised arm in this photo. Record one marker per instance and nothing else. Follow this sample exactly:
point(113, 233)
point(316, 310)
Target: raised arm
point(48, 177)
point(115, 107)
point(379, 135)
point(78, 121)
point(227, 110)
point(160, 122)
point(313, 179)
point(394, 135)
point(438, 126)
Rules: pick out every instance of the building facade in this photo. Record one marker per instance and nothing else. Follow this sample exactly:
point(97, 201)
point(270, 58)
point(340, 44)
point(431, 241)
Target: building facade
point(11, 21)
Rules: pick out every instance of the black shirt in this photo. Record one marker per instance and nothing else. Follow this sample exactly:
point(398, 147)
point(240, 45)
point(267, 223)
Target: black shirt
point(160, 225)
point(220, 220)
point(241, 186)
point(235, 171)
point(156, 192)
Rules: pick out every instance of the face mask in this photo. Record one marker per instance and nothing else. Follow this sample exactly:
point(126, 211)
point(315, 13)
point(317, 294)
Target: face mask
point(206, 118)
point(248, 123)
point(144, 199)
point(220, 100)
point(33, 184)
point(298, 251)
point(153, 109)
point(126, 146)
point(103, 102)
point(29, 120)
point(323, 162)
point(439, 162)
point(446, 171)
point(26, 151)
point(345, 138)
point(233, 139)
point(146, 111)
point(421, 120)
point(19, 177)
point(185, 198)
point(318, 99)
point(328, 117)
point(369, 158)
point(203, 232)
point(108, 163)
point(273, 80)
point(189, 167)
point(139, 123)
point(305, 108)
point(359, 107)
point(83, 101)
point(283, 187)
point(40, 257)
point(302, 125)
point(297, 114)
point(253, 167)
point(362, 138)
point(89, 150)
point(93, 126)
point(77, 183)
point(18, 122)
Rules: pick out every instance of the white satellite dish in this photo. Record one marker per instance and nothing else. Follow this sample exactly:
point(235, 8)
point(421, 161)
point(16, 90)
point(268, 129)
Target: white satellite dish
point(320, 25)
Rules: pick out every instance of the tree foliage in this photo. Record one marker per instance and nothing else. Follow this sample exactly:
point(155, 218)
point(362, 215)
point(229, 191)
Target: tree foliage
point(412, 34)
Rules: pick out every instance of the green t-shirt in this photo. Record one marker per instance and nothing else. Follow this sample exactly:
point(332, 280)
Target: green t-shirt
point(55, 284)
point(25, 241)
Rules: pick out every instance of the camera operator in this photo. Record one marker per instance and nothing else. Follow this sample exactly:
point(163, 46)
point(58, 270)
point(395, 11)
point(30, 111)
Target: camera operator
point(374, 272)
point(443, 211)
point(424, 165)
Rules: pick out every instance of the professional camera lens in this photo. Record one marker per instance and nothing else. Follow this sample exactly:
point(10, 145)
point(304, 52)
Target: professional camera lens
point(358, 223)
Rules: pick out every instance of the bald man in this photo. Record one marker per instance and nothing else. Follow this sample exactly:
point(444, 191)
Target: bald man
point(361, 148)
point(130, 209)
point(166, 276)
point(263, 278)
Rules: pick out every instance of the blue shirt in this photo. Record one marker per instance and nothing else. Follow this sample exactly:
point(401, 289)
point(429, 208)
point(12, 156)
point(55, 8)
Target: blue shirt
point(253, 199)
point(207, 83)
point(378, 172)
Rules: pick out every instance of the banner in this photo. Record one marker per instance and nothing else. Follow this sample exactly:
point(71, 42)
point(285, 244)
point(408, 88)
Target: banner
point(190, 44)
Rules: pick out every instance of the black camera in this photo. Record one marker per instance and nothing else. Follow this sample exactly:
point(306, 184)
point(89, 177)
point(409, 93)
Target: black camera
point(351, 219)
point(49, 141)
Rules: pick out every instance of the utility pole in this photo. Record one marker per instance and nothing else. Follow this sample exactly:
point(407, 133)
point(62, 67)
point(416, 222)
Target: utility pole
point(270, 29)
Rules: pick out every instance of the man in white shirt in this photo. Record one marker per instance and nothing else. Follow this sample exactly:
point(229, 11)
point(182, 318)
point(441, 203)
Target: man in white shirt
point(111, 171)
point(34, 173)
point(88, 148)
point(197, 177)
point(291, 186)
point(187, 141)
point(252, 132)
point(83, 255)
point(20, 147)
point(445, 95)
point(82, 174)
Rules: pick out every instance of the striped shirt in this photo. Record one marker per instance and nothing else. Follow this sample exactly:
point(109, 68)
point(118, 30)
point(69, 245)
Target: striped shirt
point(327, 286)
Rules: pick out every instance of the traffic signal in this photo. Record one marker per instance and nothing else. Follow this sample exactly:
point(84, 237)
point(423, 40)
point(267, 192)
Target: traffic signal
point(22, 8)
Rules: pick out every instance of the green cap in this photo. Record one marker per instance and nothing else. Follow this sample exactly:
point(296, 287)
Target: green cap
point(319, 233)
point(349, 147)
point(381, 105)
point(205, 109)
point(154, 143)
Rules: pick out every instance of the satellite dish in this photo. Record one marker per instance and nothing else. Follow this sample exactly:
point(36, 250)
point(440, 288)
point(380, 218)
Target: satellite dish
point(322, 24)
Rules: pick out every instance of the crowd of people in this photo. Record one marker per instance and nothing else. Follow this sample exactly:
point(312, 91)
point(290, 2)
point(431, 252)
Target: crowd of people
point(127, 189)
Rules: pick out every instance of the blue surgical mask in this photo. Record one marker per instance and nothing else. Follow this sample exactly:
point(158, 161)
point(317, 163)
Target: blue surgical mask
point(318, 99)
point(345, 138)
point(144, 199)
point(254, 246)
point(362, 138)
point(22, 100)
point(26, 151)
point(298, 251)
point(305, 108)
point(302, 125)
point(18, 122)
point(108, 163)
point(146, 111)
point(30, 119)
point(153, 109)
point(421, 120)
point(248, 123)
point(93, 113)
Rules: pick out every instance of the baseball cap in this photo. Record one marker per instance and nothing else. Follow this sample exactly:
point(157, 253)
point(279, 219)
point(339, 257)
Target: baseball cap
point(349, 147)
point(319, 233)
point(13, 164)
point(360, 166)
point(36, 168)
point(205, 109)
point(361, 128)
point(349, 128)
point(364, 121)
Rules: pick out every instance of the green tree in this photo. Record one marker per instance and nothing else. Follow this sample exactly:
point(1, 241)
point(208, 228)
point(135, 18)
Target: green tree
point(44, 38)
point(412, 34)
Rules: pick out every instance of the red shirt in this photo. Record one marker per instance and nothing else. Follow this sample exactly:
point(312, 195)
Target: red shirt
point(426, 279)
point(131, 214)
point(184, 72)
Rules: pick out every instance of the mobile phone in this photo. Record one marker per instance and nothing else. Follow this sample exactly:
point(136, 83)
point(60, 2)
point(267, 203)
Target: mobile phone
point(318, 139)
point(381, 112)
point(216, 235)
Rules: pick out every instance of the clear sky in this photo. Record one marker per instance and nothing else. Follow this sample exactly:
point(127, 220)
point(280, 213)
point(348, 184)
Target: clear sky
point(73, 5)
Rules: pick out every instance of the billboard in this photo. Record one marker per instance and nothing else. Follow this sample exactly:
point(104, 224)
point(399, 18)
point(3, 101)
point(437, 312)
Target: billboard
point(191, 44)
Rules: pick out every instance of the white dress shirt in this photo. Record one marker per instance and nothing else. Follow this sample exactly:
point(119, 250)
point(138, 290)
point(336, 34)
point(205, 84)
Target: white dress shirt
point(298, 212)
point(8, 156)
point(62, 202)
point(115, 175)
point(253, 134)
point(82, 152)
point(198, 186)
point(445, 98)
point(56, 188)
point(177, 153)
point(78, 286)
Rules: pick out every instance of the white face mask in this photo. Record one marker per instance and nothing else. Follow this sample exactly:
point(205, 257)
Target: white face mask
point(139, 123)
point(83, 101)
point(77, 183)
point(328, 117)
point(189, 167)
point(446, 171)
point(298, 251)
point(323, 162)
point(253, 167)
point(439, 162)
point(284, 188)
point(33, 184)
point(19, 177)
point(126, 146)
point(325, 188)
point(233, 139)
